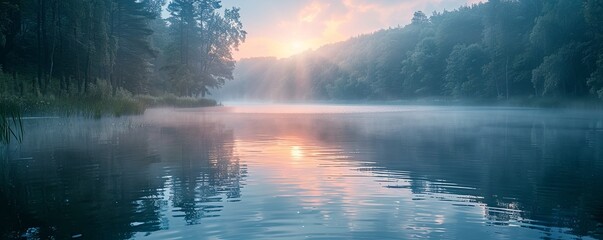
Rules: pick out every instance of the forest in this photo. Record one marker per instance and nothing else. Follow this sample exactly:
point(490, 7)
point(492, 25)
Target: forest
point(76, 48)
point(497, 50)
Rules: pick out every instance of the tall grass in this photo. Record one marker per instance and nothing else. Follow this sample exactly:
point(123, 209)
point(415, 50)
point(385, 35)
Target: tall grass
point(174, 101)
point(11, 126)
point(97, 102)
point(100, 100)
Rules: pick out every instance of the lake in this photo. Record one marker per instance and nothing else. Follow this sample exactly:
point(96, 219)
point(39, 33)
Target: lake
point(308, 171)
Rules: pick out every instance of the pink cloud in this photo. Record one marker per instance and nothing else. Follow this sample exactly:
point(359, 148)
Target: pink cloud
point(310, 12)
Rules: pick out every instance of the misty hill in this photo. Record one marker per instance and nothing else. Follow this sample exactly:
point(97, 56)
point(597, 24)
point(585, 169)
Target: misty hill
point(494, 50)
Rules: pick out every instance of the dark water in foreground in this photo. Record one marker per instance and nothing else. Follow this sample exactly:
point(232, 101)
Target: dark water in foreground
point(317, 172)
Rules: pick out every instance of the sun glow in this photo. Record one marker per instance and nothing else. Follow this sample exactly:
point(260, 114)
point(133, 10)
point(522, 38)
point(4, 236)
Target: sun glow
point(296, 47)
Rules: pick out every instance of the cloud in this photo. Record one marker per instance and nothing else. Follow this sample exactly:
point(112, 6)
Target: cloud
point(310, 12)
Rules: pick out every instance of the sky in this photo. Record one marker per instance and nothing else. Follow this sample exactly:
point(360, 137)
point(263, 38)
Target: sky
point(281, 28)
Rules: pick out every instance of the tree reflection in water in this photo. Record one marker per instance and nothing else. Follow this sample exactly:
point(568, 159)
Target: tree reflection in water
point(111, 178)
point(421, 172)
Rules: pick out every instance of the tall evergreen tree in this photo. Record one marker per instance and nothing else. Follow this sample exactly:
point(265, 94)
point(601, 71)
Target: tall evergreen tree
point(134, 52)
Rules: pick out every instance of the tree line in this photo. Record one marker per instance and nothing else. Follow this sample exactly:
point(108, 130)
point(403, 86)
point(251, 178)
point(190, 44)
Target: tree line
point(63, 47)
point(500, 49)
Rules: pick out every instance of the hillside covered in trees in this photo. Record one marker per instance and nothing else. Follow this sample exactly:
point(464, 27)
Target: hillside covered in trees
point(74, 47)
point(500, 49)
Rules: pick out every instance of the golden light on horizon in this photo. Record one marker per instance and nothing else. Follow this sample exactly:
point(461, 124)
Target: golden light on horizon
point(296, 47)
point(289, 48)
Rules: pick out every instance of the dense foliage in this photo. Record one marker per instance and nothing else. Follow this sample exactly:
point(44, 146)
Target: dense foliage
point(500, 49)
point(65, 47)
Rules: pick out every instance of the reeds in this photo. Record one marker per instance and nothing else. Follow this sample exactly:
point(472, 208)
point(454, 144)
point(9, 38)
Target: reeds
point(11, 126)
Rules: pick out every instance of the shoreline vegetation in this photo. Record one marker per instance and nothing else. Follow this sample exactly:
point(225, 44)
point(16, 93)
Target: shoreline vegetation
point(538, 102)
point(101, 100)
point(14, 108)
point(98, 107)
point(10, 122)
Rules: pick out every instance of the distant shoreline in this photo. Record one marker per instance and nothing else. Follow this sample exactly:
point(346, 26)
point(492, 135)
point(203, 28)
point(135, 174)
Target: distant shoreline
point(551, 103)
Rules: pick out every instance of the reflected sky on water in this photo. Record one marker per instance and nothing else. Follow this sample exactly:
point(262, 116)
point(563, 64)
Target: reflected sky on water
point(308, 171)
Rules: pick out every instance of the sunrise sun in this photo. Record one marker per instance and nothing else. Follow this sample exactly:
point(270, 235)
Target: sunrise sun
point(296, 47)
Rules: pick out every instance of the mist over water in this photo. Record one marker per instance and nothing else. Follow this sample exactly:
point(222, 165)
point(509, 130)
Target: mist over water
point(259, 171)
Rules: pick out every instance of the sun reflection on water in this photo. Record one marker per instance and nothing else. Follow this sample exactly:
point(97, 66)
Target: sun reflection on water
point(296, 153)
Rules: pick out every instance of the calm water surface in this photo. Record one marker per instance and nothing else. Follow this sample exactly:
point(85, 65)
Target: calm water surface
point(308, 171)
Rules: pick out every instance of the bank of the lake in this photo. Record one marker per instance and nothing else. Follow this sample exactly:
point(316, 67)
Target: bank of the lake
point(12, 108)
point(528, 102)
point(93, 106)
